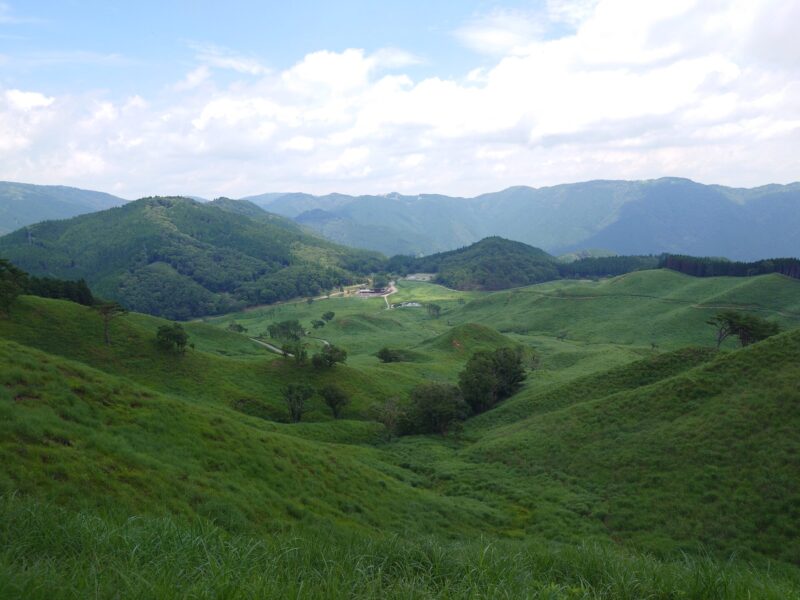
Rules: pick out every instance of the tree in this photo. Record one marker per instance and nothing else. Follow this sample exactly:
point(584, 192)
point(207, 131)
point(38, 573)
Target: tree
point(328, 316)
point(335, 398)
point(317, 324)
point(434, 310)
point(290, 330)
point(296, 395)
point(172, 337)
point(748, 328)
point(237, 328)
point(436, 408)
point(491, 377)
point(380, 281)
point(12, 284)
point(387, 355)
point(329, 356)
point(109, 311)
point(389, 414)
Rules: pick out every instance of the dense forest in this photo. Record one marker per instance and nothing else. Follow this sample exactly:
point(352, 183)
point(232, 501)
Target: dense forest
point(179, 258)
point(493, 263)
point(717, 267)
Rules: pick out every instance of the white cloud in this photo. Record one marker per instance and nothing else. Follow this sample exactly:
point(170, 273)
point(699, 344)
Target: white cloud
point(705, 89)
point(501, 32)
point(26, 101)
point(225, 58)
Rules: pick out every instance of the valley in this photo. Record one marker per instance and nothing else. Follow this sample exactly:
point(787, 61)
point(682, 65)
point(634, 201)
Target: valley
point(627, 418)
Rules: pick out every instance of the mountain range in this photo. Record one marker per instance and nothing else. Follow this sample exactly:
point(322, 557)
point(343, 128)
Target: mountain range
point(671, 215)
point(626, 217)
point(23, 204)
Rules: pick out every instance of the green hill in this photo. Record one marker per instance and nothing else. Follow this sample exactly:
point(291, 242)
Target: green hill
point(647, 307)
point(708, 456)
point(618, 471)
point(491, 264)
point(180, 258)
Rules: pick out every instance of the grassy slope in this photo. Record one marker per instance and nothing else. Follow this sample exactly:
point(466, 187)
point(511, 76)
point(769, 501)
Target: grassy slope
point(662, 307)
point(577, 455)
point(86, 439)
point(707, 456)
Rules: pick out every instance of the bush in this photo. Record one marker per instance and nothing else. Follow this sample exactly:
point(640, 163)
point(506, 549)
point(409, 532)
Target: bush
point(435, 408)
point(172, 337)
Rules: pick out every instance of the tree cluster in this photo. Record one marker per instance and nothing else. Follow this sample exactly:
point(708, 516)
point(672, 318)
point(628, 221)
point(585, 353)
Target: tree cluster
point(297, 395)
point(487, 378)
point(491, 377)
point(172, 338)
point(716, 267)
point(329, 356)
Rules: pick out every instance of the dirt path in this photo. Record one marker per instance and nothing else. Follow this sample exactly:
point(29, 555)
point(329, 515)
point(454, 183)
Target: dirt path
point(392, 290)
point(271, 348)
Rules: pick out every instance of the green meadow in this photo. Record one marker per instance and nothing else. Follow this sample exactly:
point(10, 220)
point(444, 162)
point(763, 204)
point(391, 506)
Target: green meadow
point(637, 461)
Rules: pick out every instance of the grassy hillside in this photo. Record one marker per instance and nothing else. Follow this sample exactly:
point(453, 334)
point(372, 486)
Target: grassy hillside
point(712, 452)
point(23, 204)
point(660, 307)
point(618, 471)
point(180, 258)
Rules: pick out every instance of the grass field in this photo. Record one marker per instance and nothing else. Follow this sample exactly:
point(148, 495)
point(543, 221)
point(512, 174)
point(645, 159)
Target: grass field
point(635, 461)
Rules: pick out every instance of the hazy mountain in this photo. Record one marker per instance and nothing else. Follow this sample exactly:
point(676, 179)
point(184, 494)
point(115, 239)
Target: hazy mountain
point(180, 258)
point(22, 204)
point(626, 217)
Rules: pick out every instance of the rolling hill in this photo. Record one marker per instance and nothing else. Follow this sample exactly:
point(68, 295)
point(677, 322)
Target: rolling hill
point(491, 264)
point(179, 471)
point(671, 215)
point(179, 258)
point(23, 204)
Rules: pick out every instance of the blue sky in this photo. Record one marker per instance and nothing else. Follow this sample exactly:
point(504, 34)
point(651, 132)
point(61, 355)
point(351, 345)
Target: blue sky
point(465, 97)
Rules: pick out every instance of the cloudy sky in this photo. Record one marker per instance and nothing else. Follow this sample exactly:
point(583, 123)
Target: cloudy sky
point(236, 98)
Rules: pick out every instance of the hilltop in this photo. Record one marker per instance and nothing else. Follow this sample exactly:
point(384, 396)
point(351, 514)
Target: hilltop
point(491, 264)
point(180, 258)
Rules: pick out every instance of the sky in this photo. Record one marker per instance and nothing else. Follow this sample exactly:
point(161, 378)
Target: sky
point(455, 97)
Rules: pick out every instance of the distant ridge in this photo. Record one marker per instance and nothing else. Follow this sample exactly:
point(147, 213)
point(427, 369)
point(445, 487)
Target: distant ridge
point(23, 204)
point(671, 214)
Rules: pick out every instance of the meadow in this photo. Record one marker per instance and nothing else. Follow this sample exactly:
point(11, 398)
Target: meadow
point(636, 461)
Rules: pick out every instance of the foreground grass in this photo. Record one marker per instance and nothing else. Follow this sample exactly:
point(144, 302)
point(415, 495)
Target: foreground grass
point(50, 553)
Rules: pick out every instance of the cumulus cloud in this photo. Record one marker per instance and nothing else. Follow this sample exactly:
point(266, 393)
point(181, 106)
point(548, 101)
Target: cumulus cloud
point(582, 89)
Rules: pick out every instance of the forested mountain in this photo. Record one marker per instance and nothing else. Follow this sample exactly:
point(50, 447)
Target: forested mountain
point(627, 217)
point(23, 203)
point(491, 264)
point(180, 258)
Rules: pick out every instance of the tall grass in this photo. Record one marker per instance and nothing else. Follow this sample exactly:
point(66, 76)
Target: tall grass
point(49, 553)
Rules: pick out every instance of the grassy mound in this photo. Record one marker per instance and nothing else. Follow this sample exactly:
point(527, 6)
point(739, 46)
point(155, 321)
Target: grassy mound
point(467, 339)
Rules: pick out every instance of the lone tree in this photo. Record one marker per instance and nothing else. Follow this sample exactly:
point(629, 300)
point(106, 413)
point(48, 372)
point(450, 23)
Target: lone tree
point(335, 398)
point(237, 328)
point(296, 395)
point(329, 356)
point(328, 316)
point(436, 408)
point(109, 311)
point(491, 377)
point(317, 324)
point(748, 328)
point(12, 284)
point(289, 331)
point(389, 414)
point(388, 355)
point(434, 310)
point(172, 337)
